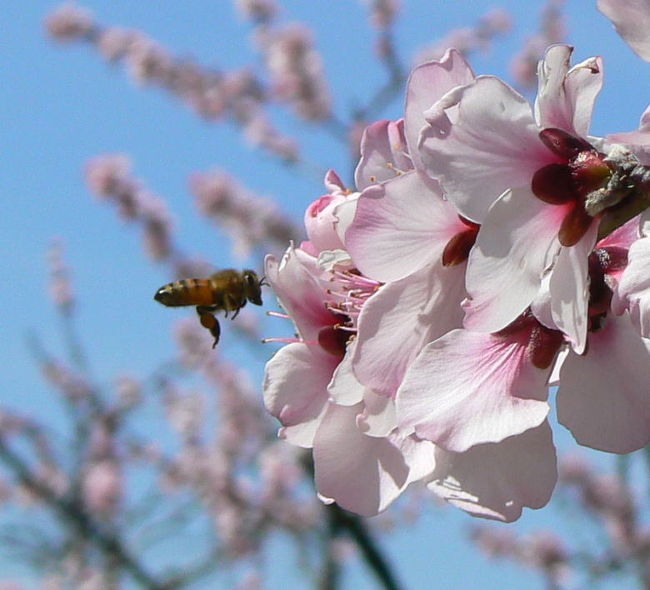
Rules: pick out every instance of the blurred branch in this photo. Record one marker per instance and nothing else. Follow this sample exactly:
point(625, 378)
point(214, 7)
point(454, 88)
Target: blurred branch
point(72, 513)
point(354, 527)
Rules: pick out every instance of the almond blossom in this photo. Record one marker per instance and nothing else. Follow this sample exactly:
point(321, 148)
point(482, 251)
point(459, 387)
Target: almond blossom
point(310, 388)
point(526, 180)
point(416, 277)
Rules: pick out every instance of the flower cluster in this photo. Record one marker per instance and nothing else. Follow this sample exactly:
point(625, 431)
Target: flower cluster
point(491, 249)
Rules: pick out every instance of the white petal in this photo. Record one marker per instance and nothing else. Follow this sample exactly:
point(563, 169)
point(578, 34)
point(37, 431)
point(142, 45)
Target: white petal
point(569, 290)
point(345, 389)
point(515, 244)
point(378, 417)
point(399, 227)
point(295, 390)
point(490, 146)
point(632, 21)
point(604, 395)
point(497, 480)
point(566, 96)
point(396, 323)
point(634, 287)
point(363, 474)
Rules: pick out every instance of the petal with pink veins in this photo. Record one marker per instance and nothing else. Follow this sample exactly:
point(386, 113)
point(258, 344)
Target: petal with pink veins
point(491, 145)
point(469, 388)
point(399, 227)
point(427, 84)
point(497, 480)
point(515, 245)
point(603, 397)
point(299, 292)
point(364, 474)
point(398, 320)
point(383, 153)
point(295, 390)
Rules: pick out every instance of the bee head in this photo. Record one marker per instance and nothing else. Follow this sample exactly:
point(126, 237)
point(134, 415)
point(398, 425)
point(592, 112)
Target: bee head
point(252, 287)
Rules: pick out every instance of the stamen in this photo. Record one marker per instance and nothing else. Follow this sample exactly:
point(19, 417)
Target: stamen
point(288, 340)
point(277, 314)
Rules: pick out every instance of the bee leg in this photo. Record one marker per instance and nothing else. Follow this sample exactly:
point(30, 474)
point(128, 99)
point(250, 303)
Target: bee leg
point(209, 321)
point(235, 305)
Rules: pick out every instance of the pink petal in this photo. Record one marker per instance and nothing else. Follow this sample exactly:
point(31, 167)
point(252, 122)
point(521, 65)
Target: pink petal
point(566, 96)
point(320, 222)
point(333, 182)
point(492, 144)
point(623, 236)
point(378, 417)
point(383, 153)
point(299, 292)
point(468, 388)
point(344, 388)
point(633, 291)
point(399, 227)
point(362, 473)
point(295, 390)
point(569, 290)
point(632, 21)
point(427, 84)
point(497, 480)
point(604, 398)
point(637, 141)
point(344, 213)
point(396, 323)
point(516, 243)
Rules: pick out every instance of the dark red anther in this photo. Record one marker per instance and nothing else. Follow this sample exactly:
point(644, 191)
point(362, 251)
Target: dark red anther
point(457, 249)
point(574, 225)
point(333, 340)
point(563, 144)
point(554, 184)
point(543, 345)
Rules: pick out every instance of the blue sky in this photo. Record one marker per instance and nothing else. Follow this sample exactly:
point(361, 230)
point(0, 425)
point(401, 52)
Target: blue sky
point(63, 105)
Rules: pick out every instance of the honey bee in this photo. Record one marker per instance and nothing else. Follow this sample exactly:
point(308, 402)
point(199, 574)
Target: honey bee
point(227, 290)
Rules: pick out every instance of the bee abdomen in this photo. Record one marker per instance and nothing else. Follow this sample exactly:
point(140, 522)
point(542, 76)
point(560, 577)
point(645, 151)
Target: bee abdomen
point(186, 292)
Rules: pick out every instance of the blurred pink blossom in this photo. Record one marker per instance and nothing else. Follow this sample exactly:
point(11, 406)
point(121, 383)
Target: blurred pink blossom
point(69, 22)
point(296, 71)
point(470, 39)
point(383, 12)
point(61, 290)
point(523, 66)
point(103, 486)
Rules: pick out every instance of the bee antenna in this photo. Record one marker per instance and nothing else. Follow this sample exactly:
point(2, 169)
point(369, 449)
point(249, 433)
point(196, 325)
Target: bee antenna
point(263, 282)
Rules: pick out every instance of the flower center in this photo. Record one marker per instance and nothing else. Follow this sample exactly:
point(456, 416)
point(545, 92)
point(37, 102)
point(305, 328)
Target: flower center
point(348, 291)
point(581, 170)
point(542, 343)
